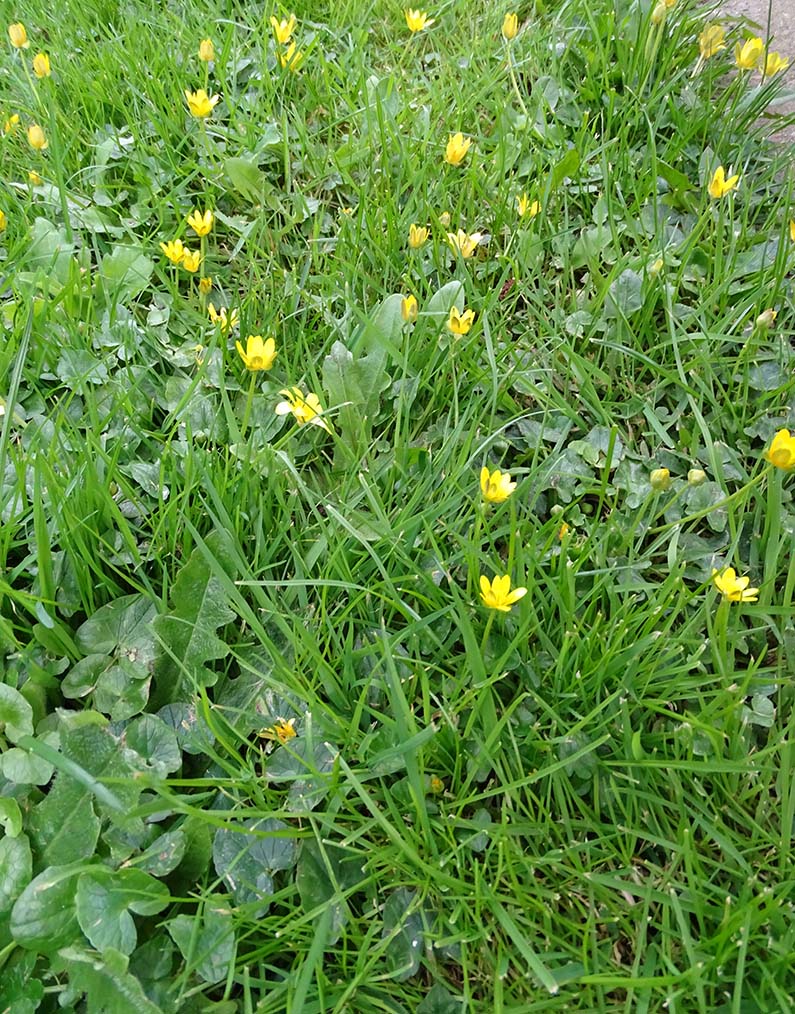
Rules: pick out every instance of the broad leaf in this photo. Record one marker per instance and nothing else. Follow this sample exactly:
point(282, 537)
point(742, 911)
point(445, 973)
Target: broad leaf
point(104, 979)
point(150, 745)
point(206, 940)
point(44, 917)
point(16, 715)
point(64, 827)
point(247, 859)
point(16, 870)
point(104, 902)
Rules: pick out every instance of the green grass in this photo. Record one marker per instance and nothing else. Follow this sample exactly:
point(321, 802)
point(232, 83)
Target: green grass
point(584, 804)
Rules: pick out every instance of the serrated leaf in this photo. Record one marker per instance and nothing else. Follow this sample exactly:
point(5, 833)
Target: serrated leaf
point(149, 745)
point(108, 986)
point(43, 917)
point(16, 715)
point(207, 940)
point(188, 632)
point(247, 859)
point(16, 870)
point(104, 900)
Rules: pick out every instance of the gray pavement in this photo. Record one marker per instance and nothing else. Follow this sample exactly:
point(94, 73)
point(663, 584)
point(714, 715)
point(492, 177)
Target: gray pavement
point(776, 20)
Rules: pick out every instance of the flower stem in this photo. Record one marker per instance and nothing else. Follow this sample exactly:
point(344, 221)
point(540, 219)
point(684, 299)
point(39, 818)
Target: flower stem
point(249, 403)
point(772, 535)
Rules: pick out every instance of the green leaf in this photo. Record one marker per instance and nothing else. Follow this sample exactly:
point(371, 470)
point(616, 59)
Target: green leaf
point(10, 817)
point(439, 1001)
point(25, 768)
point(188, 633)
point(64, 827)
point(125, 272)
point(122, 627)
point(43, 917)
point(307, 765)
point(443, 300)
point(322, 874)
point(163, 855)
point(403, 929)
point(16, 715)
point(104, 979)
point(104, 901)
point(151, 746)
point(20, 992)
point(567, 166)
point(625, 295)
point(246, 177)
point(49, 250)
point(247, 859)
point(207, 940)
point(16, 869)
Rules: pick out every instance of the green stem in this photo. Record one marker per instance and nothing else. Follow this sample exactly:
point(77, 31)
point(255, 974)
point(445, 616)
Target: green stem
point(515, 84)
point(57, 150)
point(249, 403)
point(772, 535)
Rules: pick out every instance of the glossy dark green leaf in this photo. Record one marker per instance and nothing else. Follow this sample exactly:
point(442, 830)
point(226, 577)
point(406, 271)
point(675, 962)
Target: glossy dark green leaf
point(16, 870)
point(108, 986)
point(247, 859)
point(206, 940)
point(150, 745)
point(16, 715)
point(44, 917)
point(105, 899)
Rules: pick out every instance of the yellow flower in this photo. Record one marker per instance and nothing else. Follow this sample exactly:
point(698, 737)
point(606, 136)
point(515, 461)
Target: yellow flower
point(527, 207)
point(497, 594)
point(258, 354)
point(712, 41)
point(41, 65)
point(774, 63)
point(417, 20)
point(283, 29)
point(36, 137)
point(418, 234)
point(766, 319)
point(304, 409)
point(748, 55)
point(734, 588)
point(435, 784)
point(200, 103)
point(206, 50)
point(464, 243)
point(291, 59)
point(174, 250)
point(457, 148)
point(18, 35)
point(409, 309)
point(563, 531)
point(719, 185)
point(460, 323)
point(11, 123)
point(205, 285)
point(226, 318)
point(660, 479)
point(201, 224)
point(34, 178)
point(792, 229)
point(495, 486)
point(191, 260)
point(510, 26)
point(283, 730)
point(781, 452)
point(658, 14)
point(3, 222)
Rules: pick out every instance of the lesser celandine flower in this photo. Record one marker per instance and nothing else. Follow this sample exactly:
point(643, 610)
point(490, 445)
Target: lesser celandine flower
point(283, 730)
point(206, 50)
point(417, 20)
point(174, 250)
point(2, 221)
point(465, 243)
point(18, 35)
point(283, 29)
point(34, 178)
point(303, 408)
point(444, 219)
point(205, 285)
point(495, 486)
point(41, 65)
point(659, 12)
point(200, 103)
point(792, 229)
point(291, 59)
point(711, 41)
point(781, 452)
point(460, 323)
point(457, 148)
point(191, 260)
point(227, 319)
point(563, 531)
point(11, 123)
point(37, 138)
point(660, 479)
point(409, 309)
point(734, 588)
point(527, 207)
point(775, 62)
point(497, 594)
point(748, 55)
point(510, 26)
point(201, 223)
point(418, 234)
point(258, 354)
point(719, 185)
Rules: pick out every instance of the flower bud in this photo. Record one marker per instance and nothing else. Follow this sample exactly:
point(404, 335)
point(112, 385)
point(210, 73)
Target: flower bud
point(696, 476)
point(660, 479)
point(766, 319)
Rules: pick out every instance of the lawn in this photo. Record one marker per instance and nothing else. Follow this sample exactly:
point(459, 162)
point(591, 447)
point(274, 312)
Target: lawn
point(396, 572)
